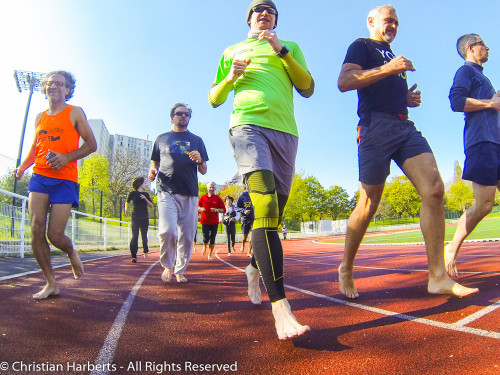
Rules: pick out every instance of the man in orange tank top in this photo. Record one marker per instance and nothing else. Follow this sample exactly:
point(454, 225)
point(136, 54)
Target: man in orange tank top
point(54, 181)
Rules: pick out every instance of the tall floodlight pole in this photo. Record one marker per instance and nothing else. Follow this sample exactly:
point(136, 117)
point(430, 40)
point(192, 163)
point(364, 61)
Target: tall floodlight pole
point(26, 81)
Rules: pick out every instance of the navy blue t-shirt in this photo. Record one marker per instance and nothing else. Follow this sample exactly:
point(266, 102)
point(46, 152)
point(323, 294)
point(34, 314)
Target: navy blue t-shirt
point(178, 174)
point(388, 95)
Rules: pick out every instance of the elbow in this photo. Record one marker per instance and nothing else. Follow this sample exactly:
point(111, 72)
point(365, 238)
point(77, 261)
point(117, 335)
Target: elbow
point(342, 86)
point(457, 105)
point(308, 92)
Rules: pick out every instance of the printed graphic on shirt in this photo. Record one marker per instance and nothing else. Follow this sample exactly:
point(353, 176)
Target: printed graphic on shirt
point(51, 134)
point(180, 147)
point(388, 56)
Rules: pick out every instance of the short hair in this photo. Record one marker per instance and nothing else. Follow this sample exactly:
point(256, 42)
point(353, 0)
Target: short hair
point(230, 197)
point(70, 82)
point(177, 105)
point(137, 182)
point(464, 42)
point(375, 11)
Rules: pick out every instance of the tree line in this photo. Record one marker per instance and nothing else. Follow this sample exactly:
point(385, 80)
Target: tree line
point(104, 187)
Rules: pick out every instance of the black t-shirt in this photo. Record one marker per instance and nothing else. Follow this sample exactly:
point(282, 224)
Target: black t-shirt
point(388, 95)
point(140, 210)
point(178, 174)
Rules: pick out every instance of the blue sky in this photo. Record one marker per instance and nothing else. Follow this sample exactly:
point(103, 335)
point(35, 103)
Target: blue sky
point(133, 59)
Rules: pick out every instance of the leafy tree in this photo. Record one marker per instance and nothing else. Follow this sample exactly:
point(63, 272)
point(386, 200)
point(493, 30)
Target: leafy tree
point(94, 179)
point(124, 167)
point(337, 202)
point(459, 196)
point(233, 190)
point(295, 206)
point(7, 183)
point(202, 189)
point(402, 196)
point(313, 197)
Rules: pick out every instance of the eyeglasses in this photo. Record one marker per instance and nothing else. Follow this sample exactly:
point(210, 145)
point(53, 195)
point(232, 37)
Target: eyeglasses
point(187, 114)
point(261, 9)
point(56, 83)
point(481, 43)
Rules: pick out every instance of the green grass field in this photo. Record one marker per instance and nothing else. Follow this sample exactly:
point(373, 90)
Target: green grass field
point(486, 229)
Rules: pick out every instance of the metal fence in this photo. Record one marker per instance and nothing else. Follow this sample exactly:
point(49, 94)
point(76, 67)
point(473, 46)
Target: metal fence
point(86, 231)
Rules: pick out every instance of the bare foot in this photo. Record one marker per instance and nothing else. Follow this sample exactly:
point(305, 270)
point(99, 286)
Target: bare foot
point(181, 279)
point(249, 255)
point(253, 285)
point(450, 260)
point(346, 283)
point(204, 250)
point(166, 276)
point(47, 291)
point(146, 255)
point(448, 286)
point(286, 325)
point(76, 264)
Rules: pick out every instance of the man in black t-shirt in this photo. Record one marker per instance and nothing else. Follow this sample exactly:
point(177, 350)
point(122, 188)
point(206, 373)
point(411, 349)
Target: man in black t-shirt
point(176, 159)
point(385, 134)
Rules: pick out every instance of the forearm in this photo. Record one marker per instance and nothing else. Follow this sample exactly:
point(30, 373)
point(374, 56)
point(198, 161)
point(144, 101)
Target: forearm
point(357, 78)
point(202, 168)
point(84, 150)
point(301, 78)
point(218, 93)
point(473, 105)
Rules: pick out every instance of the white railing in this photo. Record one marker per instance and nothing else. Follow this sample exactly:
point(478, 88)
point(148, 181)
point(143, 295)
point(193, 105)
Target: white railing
point(86, 231)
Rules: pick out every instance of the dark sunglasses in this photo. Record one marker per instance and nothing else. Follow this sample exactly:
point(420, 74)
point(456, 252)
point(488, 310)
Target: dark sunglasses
point(261, 8)
point(187, 114)
point(475, 44)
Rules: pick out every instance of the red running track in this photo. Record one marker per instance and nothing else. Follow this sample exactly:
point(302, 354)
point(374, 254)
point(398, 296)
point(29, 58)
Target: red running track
point(121, 317)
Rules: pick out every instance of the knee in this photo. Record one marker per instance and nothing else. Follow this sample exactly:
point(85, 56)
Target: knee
point(56, 238)
point(367, 207)
point(434, 193)
point(37, 231)
point(485, 207)
point(168, 233)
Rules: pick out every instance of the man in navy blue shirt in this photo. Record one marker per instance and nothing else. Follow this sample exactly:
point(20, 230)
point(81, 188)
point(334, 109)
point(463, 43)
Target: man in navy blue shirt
point(473, 94)
point(385, 134)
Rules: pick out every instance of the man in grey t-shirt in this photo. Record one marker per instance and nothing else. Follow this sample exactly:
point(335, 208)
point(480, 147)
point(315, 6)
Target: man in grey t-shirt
point(176, 158)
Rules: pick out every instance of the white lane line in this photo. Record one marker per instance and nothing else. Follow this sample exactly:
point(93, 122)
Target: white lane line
point(452, 326)
point(477, 314)
point(107, 353)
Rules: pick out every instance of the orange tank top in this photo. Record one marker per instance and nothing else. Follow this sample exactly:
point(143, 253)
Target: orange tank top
point(58, 134)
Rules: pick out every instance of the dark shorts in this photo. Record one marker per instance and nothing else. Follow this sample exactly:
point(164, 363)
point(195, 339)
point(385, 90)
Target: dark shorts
point(209, 233)
point(59, 191)
point(482, 164)
point(246, 226)
point(387, 137)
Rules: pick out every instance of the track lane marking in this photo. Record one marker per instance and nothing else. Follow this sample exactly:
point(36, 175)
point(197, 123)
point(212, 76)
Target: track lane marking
point(107, 352)
point(449, 326)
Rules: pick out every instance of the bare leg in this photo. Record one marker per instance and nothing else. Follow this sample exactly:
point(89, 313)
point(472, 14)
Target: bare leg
point(204, 251)
point(484, 199)
point(286, 325)
point(59, 215)
point(423, 173)
point(211, 247)
point(38, 208)
point(369, 199)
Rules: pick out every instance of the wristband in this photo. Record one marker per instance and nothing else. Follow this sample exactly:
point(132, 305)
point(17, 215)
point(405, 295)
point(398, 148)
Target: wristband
point(282, 52)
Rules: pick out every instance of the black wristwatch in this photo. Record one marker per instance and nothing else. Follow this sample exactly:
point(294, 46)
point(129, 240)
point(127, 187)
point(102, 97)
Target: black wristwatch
point(200, 163)
point(282, 52)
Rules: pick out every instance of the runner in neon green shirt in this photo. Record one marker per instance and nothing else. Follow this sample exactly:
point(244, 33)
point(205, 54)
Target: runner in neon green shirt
point(262, 71)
